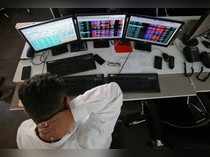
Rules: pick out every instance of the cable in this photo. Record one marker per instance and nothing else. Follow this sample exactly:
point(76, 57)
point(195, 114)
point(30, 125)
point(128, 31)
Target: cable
point(45, 60)
point(40, 59)
point(201, 103)
point(185, 65)
point(186, 74)
point(157, 12)
point(124, 62)
point(199, 99)
point(166, 12)
point(204, 78)
point(34, 63)
point(201, 123)
point(178, 47)
point(112, 42)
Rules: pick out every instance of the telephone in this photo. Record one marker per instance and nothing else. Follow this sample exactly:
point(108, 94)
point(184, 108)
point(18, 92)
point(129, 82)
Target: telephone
point(205, 59)
point(191, 54)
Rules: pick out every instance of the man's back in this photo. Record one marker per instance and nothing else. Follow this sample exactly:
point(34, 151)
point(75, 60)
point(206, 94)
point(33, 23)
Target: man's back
point(95, 113)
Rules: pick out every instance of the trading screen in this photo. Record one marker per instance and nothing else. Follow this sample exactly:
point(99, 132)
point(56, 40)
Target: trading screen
point(50, 34)
point(101, 27)
point(151, 30)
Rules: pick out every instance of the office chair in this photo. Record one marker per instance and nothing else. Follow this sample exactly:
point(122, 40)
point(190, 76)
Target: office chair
point(3, 11)
point(138, 117)
point(128, 129)
point(162, 135)
point(186, 128)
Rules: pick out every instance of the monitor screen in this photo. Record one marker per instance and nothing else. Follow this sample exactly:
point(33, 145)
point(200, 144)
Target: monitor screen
point(152, 30)
point(50, 34)
point(203, 26)
point(101, 27)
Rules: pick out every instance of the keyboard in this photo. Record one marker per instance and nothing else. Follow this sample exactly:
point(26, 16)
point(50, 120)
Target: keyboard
point(71, 65)
point(76, 85)
point(147, 82)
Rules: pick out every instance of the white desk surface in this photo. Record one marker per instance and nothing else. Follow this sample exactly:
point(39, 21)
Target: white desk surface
point(107, 53)
point(138, 61)
point(199, 85)
point(35, 69)
point(172, 82)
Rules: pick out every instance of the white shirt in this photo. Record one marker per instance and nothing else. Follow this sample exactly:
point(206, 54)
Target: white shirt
point(95, 113)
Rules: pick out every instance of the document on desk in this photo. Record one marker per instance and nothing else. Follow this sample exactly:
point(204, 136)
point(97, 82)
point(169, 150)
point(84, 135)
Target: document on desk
point(139, 63)
point(113, 64)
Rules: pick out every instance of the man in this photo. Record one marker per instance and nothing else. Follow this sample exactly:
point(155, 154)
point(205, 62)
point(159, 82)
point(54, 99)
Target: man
point(63, 122)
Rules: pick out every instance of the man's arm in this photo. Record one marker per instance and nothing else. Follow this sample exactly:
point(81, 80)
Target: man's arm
point(103, 104)
point(101, 101)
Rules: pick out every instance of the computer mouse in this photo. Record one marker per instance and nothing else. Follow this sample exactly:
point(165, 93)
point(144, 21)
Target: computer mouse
point(206, 44)
point(171, 62)
point(165, 57)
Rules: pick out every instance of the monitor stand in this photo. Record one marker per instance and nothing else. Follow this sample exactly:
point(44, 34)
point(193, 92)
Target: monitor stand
point(189, 42)
point(139, 45)
point(78, 46)
point(30, 52)
point(59, 50)
point(101, 43)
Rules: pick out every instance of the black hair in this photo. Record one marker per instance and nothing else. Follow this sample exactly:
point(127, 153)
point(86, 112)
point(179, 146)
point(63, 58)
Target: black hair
point(42, 96)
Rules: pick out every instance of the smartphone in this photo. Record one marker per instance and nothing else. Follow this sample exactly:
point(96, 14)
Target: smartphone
point(26, 73)
point(98, 59)
point(158, 62)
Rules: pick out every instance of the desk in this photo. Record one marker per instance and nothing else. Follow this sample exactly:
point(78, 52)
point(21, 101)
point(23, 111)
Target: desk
point(199, 85)
point(36, 69)
point(171, 85)
point(172, 82)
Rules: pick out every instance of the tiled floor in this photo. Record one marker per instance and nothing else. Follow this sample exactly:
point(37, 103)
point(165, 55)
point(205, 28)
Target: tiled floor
point(11, 44)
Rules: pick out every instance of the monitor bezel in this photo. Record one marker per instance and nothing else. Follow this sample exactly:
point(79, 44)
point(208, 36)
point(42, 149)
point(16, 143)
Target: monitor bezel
point(49, 21)
point(151, 17)
point(198, 24)
point(99, 14)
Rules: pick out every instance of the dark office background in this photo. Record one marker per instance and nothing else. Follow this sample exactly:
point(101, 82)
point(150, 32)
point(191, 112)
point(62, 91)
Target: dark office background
point(11, 45)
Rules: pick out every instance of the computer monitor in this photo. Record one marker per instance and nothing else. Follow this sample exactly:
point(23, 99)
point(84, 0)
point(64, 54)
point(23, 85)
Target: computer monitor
point(152, 30)
point(101, 26)
point(198, 28)
point(201, 27)
point(50, 34)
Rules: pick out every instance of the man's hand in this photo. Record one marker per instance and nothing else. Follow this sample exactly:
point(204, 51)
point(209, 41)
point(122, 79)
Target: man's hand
point(56, 127)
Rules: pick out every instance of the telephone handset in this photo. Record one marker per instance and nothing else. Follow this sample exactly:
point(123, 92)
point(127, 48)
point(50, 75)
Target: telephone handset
point(205, 59)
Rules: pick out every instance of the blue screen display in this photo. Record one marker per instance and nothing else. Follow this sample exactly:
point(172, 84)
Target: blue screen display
point(50, 34)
